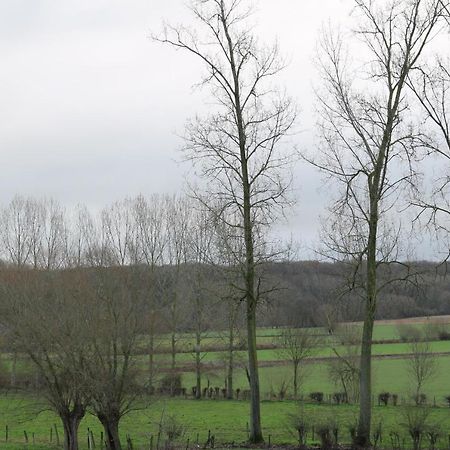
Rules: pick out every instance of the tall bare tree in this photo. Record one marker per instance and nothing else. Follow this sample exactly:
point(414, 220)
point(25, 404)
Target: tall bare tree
point(368, 147)
point(16, 231)
point(199, 279)
point(120, 232)
point(151, 221)
point(236, 148)
point(178, 223)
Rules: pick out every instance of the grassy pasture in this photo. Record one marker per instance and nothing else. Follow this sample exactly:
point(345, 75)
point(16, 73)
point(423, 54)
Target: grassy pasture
point(227, 419)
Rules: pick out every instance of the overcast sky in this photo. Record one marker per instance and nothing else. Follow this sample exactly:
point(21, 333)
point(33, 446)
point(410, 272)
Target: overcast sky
point(91, 107)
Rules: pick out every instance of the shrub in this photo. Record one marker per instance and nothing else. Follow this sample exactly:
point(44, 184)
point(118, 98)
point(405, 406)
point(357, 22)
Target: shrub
point(299, 424)
point(409, 333)
point(328, 432)
point(416, 424)
point(420, 399)
point(316, 396)
point(340, 397)
point(444, 335)
point(173, 429)
point(383, 398)
point(434, 434)
point(377, 436)
point(448, 400)
point(171, 384)
point(280, 391)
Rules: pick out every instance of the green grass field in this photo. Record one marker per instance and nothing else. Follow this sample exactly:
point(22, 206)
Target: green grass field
point(227, 420)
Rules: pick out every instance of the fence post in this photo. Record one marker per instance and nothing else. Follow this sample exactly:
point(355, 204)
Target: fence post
point(6, 433)
point(92, 439)
point(56, 434)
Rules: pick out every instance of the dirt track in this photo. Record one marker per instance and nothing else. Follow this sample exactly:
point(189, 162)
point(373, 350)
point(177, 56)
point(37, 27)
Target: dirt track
point(277, 363)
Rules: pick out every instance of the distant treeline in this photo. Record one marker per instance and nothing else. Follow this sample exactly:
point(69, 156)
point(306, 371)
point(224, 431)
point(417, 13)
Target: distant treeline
point(301, 293)
point(313, 290)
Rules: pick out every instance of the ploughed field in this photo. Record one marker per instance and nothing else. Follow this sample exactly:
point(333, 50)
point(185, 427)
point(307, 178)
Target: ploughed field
point(24, 423)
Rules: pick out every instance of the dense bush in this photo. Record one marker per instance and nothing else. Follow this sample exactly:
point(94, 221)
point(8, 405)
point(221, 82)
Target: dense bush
point(316, 396)
point(171, 384)
point(383, 398)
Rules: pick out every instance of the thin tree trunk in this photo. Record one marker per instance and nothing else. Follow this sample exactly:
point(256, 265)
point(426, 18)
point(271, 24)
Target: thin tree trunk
point(173, 336)
point(14, 370)
point(198, 368)
point(151, 351)
point(295, 380)
point(230, 364)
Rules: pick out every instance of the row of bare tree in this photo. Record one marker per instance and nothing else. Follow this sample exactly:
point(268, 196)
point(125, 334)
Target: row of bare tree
point(83, 296)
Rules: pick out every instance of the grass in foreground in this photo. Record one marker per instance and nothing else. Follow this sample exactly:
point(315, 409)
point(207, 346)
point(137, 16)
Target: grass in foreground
point(227, 421)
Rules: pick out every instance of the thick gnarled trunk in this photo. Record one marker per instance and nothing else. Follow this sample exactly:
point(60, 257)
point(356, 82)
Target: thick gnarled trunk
point(111, 431)
point(71, 423)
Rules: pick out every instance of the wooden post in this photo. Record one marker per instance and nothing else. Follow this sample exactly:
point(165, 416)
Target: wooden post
point(51, 435)
point(6, 433)
point(56, 434)
point(151, 442)
point(92, 440)
point(25, 434)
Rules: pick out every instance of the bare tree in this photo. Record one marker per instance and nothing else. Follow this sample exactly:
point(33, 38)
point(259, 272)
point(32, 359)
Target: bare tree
point(150, 217)
point(113, 321)
point(296, 344)
point(422, 366)
point(344, 369)
point(120, 232)
point(16, 230)
point(236, 149)
point(40, 311)
point(178, 227)
point(368, 148)
point(200, 276)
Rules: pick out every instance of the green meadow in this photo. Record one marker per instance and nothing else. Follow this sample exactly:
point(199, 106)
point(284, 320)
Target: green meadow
point(26, 424)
